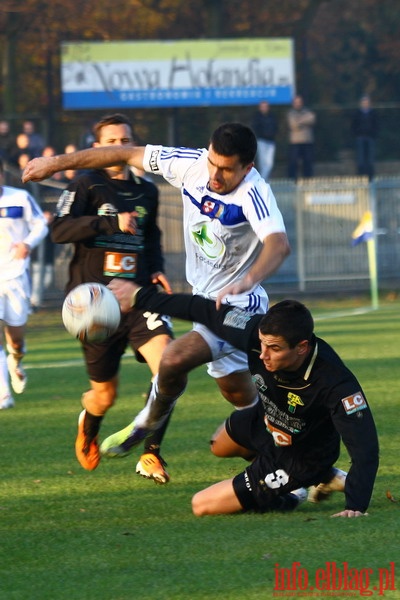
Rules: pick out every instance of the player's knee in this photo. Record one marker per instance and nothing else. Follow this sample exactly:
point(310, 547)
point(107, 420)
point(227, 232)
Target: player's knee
point(199, 508)
point(104, 400)
point(172, 363)
point(216, 448)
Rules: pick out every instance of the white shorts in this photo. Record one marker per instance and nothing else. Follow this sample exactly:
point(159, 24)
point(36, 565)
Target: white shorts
point(14, 300)
point(226, 358)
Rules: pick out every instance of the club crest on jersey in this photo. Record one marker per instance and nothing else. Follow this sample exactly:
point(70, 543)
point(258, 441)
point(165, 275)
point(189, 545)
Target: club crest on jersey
point(211, 208)
point(293, 401)
point(354, 403)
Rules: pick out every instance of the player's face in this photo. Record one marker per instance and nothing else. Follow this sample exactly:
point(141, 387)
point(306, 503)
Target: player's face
point(225, 172)
point(115, 135)
point(277, 355)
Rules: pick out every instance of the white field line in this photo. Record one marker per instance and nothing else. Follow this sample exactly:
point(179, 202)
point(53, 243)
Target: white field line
point(63, 363)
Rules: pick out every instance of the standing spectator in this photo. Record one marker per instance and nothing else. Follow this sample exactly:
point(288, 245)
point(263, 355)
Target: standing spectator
point(88, 137)
point(6, 141)
point(36, 141)
point(42, 263)
point(265, 126)
point(365, 130)
point(21, 147)
point(301, 121)
point(22, 227)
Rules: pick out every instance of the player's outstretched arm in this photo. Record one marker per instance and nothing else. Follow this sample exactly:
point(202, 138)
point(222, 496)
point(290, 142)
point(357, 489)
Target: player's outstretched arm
point(91, 158)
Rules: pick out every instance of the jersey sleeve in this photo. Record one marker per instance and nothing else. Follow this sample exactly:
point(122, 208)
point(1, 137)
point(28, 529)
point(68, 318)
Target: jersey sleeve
point(233, 324)
point(170, 163)
point(36, 222)
point(354, 422)
point(261, 209)
point(73, 223)
point(152, 238)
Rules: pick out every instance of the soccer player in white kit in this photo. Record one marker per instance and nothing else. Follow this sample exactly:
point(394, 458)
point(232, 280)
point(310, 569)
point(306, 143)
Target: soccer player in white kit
point(22, 227)
point(235, 239)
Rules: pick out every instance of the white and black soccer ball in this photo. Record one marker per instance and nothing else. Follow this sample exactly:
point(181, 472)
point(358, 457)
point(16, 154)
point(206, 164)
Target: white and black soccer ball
point(91, 312)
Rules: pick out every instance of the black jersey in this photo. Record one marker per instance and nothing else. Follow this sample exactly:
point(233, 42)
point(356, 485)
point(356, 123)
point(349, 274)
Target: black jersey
point(306, 411)
point(87, 217)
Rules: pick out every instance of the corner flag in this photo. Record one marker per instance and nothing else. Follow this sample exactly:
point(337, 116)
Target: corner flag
point(364, 231)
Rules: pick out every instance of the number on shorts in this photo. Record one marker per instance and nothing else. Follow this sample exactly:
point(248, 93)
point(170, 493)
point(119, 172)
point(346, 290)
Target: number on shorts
point(152, 320)
point(277, 479)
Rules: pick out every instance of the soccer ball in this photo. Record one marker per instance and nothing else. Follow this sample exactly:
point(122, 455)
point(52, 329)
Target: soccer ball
point(91, 312)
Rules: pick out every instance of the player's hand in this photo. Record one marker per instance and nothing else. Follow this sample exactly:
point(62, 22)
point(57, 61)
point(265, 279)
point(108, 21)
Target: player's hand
point(237, 287)
point(350, 513)
point(161, 279)
point(39, 168)
point(124, 291)
point(20, 250)
point(127, 222)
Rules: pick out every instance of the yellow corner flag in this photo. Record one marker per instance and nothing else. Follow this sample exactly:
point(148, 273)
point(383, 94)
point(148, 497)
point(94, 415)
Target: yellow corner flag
point(364, 231)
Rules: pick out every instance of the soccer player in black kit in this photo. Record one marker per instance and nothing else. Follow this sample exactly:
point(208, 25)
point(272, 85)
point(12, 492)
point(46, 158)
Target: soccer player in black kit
point(308, 401)
point(110, 216)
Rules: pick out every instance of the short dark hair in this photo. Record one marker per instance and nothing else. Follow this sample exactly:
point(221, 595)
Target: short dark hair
point(230, 139)
point(289, 319)
point(114, 119)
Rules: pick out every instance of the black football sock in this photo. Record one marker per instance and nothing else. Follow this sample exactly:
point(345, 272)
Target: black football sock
point(153, 443)
point(91, 425)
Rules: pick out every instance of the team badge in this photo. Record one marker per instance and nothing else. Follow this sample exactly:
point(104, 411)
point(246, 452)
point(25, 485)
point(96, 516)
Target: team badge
point(293, 401)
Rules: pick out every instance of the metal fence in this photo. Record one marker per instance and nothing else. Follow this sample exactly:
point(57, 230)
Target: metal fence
point(320, 215)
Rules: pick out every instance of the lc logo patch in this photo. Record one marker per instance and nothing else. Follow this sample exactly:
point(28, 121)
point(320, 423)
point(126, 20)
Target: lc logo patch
point(354, 403)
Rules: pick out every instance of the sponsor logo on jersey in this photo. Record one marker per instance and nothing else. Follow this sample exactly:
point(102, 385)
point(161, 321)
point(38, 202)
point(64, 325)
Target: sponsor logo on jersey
point(107, 210)
point(281, 438)
point(64, 203)
point(237, 318)
point(354, 403)
point(120, 264)
point(259, 382)
point(210, 244)
point(293, 401)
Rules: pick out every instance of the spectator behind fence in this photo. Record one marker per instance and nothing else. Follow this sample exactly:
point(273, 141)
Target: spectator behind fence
point(365, 130)
point(36, 141)
point(301, 121)
point(20, 147)
point(7, 142)
point(265, 126)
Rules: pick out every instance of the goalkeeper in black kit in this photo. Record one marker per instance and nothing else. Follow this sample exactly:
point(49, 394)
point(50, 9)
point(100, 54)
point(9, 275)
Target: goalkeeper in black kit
point(308, 402)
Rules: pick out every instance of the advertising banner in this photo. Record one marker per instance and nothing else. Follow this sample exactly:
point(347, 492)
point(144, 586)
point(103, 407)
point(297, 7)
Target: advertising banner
point(151, 74)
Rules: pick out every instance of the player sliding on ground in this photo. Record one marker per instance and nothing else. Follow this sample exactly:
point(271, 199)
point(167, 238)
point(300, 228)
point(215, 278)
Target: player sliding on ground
point(308, 402)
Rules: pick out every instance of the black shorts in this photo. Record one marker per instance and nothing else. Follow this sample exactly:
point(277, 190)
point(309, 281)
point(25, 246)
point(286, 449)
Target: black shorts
point(137, 327)
point(275, 471)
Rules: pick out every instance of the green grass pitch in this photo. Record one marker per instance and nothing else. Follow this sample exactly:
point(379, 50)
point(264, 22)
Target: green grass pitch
point(67, 534)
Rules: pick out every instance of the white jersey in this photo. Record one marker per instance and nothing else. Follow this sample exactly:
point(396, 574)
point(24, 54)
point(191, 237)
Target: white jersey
point(21, 220)
point(223, 233)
